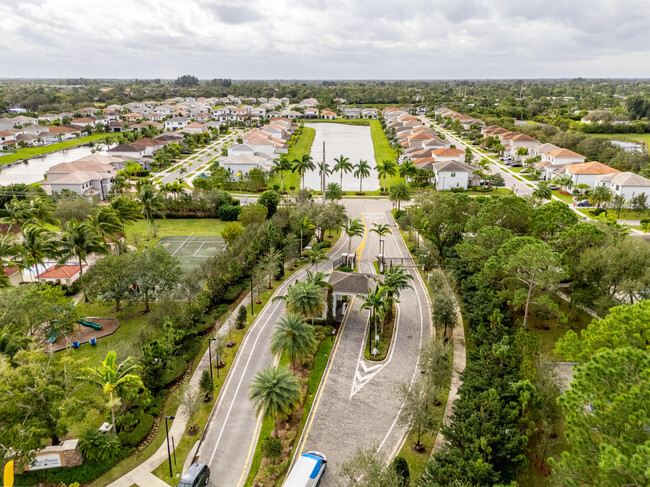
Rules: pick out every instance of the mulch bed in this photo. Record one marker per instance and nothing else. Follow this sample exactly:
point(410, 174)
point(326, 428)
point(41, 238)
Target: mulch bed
point(83, 334)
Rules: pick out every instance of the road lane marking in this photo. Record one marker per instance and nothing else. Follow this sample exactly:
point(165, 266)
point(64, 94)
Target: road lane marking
point(321, 388)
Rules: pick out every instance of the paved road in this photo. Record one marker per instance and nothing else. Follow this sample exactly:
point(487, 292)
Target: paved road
point(233, 430)
point(357, 404)
point(203, 157)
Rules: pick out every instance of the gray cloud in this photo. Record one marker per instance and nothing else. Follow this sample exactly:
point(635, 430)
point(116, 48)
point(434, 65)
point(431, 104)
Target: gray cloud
point(424, 39)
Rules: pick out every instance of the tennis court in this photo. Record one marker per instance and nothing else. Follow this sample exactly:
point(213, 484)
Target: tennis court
point(192, 251)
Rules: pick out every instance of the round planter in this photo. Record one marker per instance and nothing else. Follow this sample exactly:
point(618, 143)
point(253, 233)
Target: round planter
point(231, 344)
point(221, 365)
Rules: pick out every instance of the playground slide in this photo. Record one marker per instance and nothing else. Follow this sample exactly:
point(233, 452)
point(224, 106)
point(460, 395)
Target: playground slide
point(52, 338)
point(90, 324)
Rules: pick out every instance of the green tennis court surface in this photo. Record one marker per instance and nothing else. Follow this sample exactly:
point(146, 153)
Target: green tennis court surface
point(191, 251)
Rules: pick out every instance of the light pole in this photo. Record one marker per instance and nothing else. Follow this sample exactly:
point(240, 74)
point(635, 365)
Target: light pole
point(210, 340)
point(169, 453)
point(369, 328)
point(252, 312)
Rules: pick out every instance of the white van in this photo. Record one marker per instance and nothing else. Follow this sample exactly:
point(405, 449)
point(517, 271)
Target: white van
point(307, 470)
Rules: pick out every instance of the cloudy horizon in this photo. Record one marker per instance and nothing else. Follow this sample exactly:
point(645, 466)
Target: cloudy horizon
point(337, 39)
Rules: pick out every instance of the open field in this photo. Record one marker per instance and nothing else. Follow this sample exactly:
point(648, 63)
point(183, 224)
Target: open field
point(29, 152)
point(639, 138)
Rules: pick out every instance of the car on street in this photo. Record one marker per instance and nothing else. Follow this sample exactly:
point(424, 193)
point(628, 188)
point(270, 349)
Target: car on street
point(197, 475)
point(307, 470)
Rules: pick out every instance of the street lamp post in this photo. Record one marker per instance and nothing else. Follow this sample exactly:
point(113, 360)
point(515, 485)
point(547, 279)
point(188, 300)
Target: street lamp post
point(169, 453)
point(210, 340)
point(370, 338)
point(252, 311)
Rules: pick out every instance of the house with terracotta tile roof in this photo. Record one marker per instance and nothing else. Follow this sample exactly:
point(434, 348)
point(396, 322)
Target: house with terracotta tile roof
point(64, 275)
point(445, 155)
point(557, 159)
point(328, 114)
point(586, 172)
point(12, 274)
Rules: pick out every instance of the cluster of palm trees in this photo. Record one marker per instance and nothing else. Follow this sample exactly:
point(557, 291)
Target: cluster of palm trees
point(342, 165)
point(37, 242)
point(275, 391)
point(381, 301)
point(598, 195)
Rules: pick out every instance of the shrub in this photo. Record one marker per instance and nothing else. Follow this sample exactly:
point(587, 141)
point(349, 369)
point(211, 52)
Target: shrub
point(345, 268)
point(292, 188)
point(233, 291)
point(228, 213)
point(645, 221)
point(325, 244)
point(598, 211)
point(206, 385)
point(95, 445)
point(191, 348)
point(173, 371)
point(134, 437)
point(398, 214)
point(276, 187)
point(220, 310)
point(204, 326)
point(157, 403)
point(401, 467)
point(240, 320)
point(84, 473)
point(271, 448)
point(458, 190)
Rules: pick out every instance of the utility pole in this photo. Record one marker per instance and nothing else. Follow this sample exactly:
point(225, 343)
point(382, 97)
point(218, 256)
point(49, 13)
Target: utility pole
point(322, 176)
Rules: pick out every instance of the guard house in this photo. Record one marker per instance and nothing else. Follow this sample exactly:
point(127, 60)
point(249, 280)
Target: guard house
point(348, 284)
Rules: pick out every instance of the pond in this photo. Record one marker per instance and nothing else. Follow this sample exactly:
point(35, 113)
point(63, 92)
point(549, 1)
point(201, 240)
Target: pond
point(351, 141)
point(33, 170)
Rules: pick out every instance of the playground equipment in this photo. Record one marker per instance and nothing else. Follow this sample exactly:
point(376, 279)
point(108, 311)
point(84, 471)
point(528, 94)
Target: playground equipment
point(90, 324)
point(53, 336)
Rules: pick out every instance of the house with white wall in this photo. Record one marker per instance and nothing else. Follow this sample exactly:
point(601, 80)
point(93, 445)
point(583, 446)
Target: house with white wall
point(451, 174)
point(626, 184)
point(587, 172)
point(176, 123)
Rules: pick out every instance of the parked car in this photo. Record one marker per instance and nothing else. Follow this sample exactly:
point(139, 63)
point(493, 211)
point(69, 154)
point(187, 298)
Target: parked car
point(197, 475)
point(474, 143)
point(583, 204)
point(516, 164)
point(554, 187)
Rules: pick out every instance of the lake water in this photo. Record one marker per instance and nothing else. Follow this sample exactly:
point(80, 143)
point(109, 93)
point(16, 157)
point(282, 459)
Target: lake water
point(33, 170)
point(352, 141)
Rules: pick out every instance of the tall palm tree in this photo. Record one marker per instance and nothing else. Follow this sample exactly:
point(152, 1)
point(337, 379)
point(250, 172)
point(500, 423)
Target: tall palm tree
point(39, 211)
point(362, 170)
point(151, 203)
point(395, 280)
point(386, 168)
point(543, 191)
point(79, 240)
point(106, 222)
point(280, 166)
point(16, 213)
point(400, 192)
point(302, 165)
point(304, 224)
point(599, 195)
point(317, 278)
point(407, 170)
point(109, 375)
point(295, 338)
point(127, 210)
point(375, 302)
point(37, 245)
point(333, 192)
point(352, 228)
point(275, 392)
point(343, 164)
point(323, 171)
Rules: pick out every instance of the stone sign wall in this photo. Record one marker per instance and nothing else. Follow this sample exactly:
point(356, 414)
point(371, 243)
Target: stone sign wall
point(66, 454)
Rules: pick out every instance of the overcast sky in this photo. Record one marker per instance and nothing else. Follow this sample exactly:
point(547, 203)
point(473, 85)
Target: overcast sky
point(325, 39)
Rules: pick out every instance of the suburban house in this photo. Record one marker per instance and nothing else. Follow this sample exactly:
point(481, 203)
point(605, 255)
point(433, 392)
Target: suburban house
point(243, 163)
point(562, 156)
point(539, 149)
point(310, 113)
point(12, 274)
point(132, 117)
point(84, 178)
point(176, 123)
point(194, 128)
point(626, 184)
point(587, 172)
point(352, 112)
point(64, 132)
point(328, 114)
point(65, 274)
point(627, 146)
point(452, 174)
point(449, 155)
point(370, 113)
point(116, 162)
point(130, 151)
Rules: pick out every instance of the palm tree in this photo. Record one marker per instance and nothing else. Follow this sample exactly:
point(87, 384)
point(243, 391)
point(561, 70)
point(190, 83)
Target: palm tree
point(304, 298)
point(619, 202)
point(110, 375)
point(333, 192)
point(39, 211)
point(375, 302)
point(316, 255)
point(352, 228)
point(119, 183)
point(362, 170)
point(385, 169)
point(80, 239)
point(106, 222)
point(304, 224)
point(564, 181)
point(279, 166)
point(323, 168)
point(543, 191)
point(400, 192)
point(127, 210)
point(293, 337)
point(407, 170)
point(37, 245)
point(582, 187)
point(600, 194)
point(395, 280)
point(275, 391)
point(381, 229)
point(302, 165)
point(16, 213)
point(151, 203)
point(343, 164)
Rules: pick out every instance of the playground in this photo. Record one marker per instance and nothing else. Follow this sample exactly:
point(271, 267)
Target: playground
point(87, 331)
point(193, 251)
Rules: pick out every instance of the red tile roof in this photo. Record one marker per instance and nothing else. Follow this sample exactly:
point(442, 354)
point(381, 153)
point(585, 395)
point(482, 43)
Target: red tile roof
point(62, 272)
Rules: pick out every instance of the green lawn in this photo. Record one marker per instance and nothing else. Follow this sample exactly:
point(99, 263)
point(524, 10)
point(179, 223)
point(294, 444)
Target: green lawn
point(567, 198)
point(301, 147)
point(200, 227)
point(638, 138)
point(28, 152)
